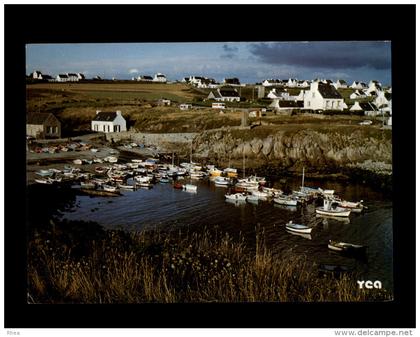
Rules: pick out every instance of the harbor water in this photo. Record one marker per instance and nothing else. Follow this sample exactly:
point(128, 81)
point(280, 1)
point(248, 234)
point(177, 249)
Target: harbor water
point(164, 207)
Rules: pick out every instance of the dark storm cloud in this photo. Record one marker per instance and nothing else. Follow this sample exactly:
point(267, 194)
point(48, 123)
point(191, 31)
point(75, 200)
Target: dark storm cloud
point(229, 52)
point(332, 55)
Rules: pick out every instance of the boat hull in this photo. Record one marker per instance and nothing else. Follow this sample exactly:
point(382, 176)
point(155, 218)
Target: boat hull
point(340, 213)
point(307, 230)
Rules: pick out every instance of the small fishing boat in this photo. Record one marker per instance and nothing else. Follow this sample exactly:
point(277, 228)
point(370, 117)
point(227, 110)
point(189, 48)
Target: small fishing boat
point(87, 185)
point(356, 207)
point(327, 209)
point(222, 181)
point(77, 162)
point(215, 172)
point(164, 180)
point(285, 200)
point(345, 247)
point(252, 198)
point(44, 181)
point(109, 188)
point(261, 195)
point(231, 172)
point(236, 196)
point(44, 173)
point(190, 187)
point(126, 187)
point(298, 228)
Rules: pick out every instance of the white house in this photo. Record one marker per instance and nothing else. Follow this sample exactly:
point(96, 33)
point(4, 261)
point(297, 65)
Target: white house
point(292, 82)
point(159, 78)
point(72, 77)
point(185, 106)
point(303, 84)
point(322, 96)
point(369, 108)
point(340, 84)
point(357, 95)
point(164, 101)
point(37, 75)
point(224, 95)
point(278, 94)
point(272, 83)
point(109, 122)
point(144, 78)
point(358, 85)
point(382, 98)
point(374, 87)
point(286, 106)
point(80, 76)
point(62, 78)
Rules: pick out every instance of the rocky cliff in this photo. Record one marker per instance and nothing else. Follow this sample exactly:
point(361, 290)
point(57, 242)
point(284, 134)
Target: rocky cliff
point(319, 149)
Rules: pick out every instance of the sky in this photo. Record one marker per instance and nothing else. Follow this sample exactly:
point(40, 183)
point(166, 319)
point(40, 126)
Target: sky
point(251, 62)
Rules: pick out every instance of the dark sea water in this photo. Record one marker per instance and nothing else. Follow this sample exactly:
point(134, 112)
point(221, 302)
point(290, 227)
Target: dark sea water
point(165, 207)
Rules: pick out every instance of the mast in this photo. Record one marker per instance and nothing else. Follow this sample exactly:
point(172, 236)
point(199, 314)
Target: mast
point(243, 153)
point(172, 159)
point(303, 177)
point(191, 153)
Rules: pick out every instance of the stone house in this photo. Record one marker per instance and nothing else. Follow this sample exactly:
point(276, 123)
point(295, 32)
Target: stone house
point(43, 125)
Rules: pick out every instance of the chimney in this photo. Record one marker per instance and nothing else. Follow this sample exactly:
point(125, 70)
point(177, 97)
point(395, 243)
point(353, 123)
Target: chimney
point(118, 112)
point(98, 111)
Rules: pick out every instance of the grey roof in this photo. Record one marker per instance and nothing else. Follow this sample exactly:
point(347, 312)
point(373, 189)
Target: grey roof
point(328, 91)
point(342, 82)
point(367, 106)
point(62, 76)
point(37, 118)
point(71, 74)
point(105, 116)
point(228, 92)
point(291, 104)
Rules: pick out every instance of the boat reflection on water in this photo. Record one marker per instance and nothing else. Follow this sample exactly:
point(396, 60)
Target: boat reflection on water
point(286, 207)
point(327, 218)
point(303, 235)
point(237, 203)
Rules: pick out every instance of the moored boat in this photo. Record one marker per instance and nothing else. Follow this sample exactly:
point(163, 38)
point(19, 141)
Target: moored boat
point(345, 247)
point(190, 187)
point(327, 209)
point(285, 200)
point(298, 228)
point(236, 196)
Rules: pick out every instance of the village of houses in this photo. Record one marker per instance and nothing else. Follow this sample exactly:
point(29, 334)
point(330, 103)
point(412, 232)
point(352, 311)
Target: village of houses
point(318, 96)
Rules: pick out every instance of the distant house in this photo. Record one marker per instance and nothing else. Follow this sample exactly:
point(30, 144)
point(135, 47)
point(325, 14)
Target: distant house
point(278, 93)
point(383, 98)
point(185, 106)
point(340, 84)
point(369, 109)
point(43, 125)
point(164, 102)
point(302, 84)
point(272, 83)
point(292, 82)
point(286, 106)
point(72, 77)
point(323, 96)
point(234, 81)
point(358, 85)
point(224, 94)
point(37, 75)
point(159, 78)
point(80, 76)
point(145, 78)
point(357, 95)
point(62, 78)
point(374, 87)
point(109, 122)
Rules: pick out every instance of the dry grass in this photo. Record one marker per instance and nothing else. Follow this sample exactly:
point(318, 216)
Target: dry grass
point(180, 267)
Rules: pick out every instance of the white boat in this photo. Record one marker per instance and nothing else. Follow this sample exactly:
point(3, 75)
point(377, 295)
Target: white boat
point(109, 188)
point(77, 162)
point(345, 247)
point(355, 207)
point(298, 228)
point(231, 172)
point(261, 195)
point(111, 159)
point(222, 181)
point(190, 187)
point(285, 200)
point(197, 175)
point(44, 181)
point(236, 196)
point(87, 185)
point(328, 210)
point(137, 161)
point(44, 173)
point(126, 187)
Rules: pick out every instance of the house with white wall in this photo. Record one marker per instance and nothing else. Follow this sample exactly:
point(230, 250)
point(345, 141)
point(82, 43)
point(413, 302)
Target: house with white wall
point(224, 95)
point(159, 77)
point(62, 78)
point(109, 122)
point(369, 109)
point(323, 96)
point(340, 84)
point(358, 95)
point(278, 93)
point(358, 85)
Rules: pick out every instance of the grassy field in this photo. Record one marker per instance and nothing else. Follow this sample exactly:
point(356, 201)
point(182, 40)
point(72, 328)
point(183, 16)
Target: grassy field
point(168, 267)
point(75, 105)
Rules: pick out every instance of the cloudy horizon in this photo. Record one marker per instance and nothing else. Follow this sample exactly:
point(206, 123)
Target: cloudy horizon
point(251, 62)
